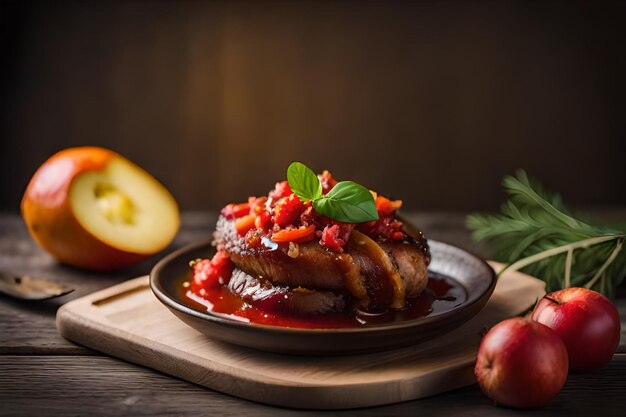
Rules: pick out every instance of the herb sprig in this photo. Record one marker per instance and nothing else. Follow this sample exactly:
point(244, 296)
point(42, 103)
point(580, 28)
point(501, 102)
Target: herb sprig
point(536, 233)
point(346, 202)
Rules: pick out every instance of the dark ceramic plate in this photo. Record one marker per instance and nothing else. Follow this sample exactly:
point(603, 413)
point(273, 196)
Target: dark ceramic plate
point(472, 273)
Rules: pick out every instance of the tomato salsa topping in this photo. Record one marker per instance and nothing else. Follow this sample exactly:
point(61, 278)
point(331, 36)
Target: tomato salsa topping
point(283, 217)
point(290, 215)
point(348, 250)
point(211, 273)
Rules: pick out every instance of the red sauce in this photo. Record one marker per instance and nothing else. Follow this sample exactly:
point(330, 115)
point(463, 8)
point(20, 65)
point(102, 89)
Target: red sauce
point(442, 294)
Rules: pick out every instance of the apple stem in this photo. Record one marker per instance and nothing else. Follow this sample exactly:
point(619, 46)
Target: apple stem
point(551, 299)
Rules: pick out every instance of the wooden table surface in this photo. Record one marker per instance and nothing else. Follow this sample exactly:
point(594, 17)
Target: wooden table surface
point(43, 374)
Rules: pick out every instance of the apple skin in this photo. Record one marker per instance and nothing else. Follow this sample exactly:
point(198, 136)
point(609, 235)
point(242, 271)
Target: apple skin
point(521, 363)
point(48, 215)
point(587, 322)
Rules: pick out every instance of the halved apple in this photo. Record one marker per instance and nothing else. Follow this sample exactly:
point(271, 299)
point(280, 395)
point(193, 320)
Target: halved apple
point(90, 207)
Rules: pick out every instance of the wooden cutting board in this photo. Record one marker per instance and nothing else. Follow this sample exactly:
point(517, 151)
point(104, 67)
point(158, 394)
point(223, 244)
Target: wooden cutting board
point(127, 321)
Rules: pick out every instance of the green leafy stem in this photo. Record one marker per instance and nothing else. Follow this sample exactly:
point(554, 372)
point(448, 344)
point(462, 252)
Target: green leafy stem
point(536, 233)
point(569, 249)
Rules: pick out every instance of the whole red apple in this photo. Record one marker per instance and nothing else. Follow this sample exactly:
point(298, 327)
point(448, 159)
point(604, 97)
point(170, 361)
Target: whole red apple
point(521, 363)
point(587, 322)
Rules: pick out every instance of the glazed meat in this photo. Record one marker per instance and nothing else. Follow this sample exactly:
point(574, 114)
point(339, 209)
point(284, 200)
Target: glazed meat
point(267, 296)
point(323, 246)
point(377, 274)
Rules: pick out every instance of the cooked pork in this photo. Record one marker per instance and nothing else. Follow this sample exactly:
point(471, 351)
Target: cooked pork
point(377, 274)
point(262, 293)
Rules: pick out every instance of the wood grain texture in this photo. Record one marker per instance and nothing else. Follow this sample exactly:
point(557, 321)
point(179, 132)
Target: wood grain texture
point(74, 384)
point(127, 321)
point(28, 328)
point(435, 95)
point(102, 386)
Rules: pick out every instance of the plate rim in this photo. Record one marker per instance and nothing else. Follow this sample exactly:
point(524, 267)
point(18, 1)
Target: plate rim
point(172, 303)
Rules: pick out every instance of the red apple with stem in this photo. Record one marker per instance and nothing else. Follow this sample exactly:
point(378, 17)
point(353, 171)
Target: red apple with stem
point(587, 322)
point(521, 363)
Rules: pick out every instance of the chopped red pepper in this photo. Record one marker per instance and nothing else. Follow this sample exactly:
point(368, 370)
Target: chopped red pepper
point(387, 227)
point(281, 190)
point(283, 213)
point(327, 180)
point(288, 210)
point(245, 223)
point(211, 273)
point(385, 206)
point(299, 235)
point(235, 211)
point(257, 205)
point(263, 221)
point(253, 238)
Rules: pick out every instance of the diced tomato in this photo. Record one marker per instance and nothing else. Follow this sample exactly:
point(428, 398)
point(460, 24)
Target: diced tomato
point(397, 235)
point(253, 238)
point(308, 216)
point(291, 220)
point(281, 190)
point(211, 273)
point(385, 206)
point(257, 205)
point(327, 180)
point(386, 227)
point(263, 221)
point(245, 223)
point(288, 210)
point(299, 235)
point(235, 211)
point(335, 236)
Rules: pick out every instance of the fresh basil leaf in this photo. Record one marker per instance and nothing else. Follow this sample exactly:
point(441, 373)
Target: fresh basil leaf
point(347, 202)
point(303, 182)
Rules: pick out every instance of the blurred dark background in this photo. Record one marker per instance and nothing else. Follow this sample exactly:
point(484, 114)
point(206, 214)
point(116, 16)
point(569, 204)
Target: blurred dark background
point(431, 102)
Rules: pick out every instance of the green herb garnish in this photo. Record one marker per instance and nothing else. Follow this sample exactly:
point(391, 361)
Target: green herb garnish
point(346, 202)
point(304, 182)
point(536, 233)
